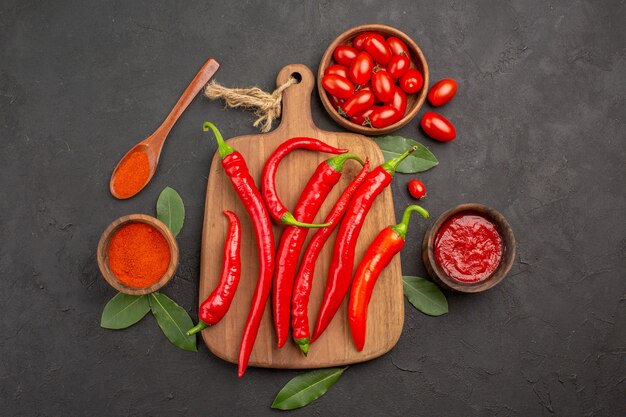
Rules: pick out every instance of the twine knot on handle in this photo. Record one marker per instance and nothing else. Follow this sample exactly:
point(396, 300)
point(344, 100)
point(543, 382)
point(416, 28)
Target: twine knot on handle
point(266, 106)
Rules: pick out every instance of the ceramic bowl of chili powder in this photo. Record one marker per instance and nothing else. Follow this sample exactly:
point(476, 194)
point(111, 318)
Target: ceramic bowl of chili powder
point(137, 254)
point(469, 248)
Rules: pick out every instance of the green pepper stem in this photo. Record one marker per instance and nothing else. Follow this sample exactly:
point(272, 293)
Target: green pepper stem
point(392, 165)
point(197, 328)
point(402, 227)
point(336, 162)
point(223, 148)
point(303, 344)
point(289, 220)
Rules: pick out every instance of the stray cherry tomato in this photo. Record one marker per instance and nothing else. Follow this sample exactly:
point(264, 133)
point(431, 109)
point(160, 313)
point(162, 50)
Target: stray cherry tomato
point(336, 69)
point(359, 41)
point(383, 116)
point(417, 189)
point(337, 86)
point(378, 49)
point(398, 65)
point(336, 102)
point(361, 68)
point(383, 86)
point(358, 103)
point(397, 46)
point(412, 81)
point(363, 118)
point(442, 92)
point(399, 100)
point(344, 54)
point(438, 127)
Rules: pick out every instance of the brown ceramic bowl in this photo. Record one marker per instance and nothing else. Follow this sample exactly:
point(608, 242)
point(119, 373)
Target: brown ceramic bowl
point(443, 279)
point(414, 101)
point(103, 253)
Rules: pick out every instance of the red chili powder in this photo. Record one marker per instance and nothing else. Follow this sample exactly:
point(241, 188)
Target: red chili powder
point(138, 255)
point(132, 174)
point(468, 247)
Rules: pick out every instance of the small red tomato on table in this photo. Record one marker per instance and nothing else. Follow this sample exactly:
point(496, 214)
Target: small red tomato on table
point(438, 127)
point(442, 92)
point(417, 189)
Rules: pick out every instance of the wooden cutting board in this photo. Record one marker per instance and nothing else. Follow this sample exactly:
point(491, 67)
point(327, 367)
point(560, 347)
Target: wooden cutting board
point(335, 346)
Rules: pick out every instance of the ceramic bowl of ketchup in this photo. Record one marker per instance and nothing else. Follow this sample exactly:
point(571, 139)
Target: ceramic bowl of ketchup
point(469, 248)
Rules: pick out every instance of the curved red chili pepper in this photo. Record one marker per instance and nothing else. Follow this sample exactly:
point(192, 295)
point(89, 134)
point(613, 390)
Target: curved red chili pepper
point(378, 255)
point(277, 209)
point(304, 279)
point(243, 183)
point(213, 309)
point(325, 177)
point(342, 262)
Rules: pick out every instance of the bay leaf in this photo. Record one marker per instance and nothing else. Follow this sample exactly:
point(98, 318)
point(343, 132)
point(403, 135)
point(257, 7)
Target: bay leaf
point(306, 388)
point(171, 210)
point(419, 161)
point(124, 310)
point(425, 296)
point(173, 321)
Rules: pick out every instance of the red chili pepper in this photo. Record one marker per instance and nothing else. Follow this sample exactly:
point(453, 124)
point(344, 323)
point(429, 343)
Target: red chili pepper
point(378, 255)
point(326, 176)
point(243, 183)
point(277, 209)
point(213, 309)
point(342, 262)
point(304, 279)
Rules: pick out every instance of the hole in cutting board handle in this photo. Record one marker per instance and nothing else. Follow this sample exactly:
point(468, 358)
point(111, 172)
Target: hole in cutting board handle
point(297, 76)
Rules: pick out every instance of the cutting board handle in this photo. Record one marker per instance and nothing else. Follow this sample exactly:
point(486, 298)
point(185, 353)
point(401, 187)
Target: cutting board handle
point(297, 97)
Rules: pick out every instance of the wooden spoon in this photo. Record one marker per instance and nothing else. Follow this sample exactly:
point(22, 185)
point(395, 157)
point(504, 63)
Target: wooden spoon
point(153, 144)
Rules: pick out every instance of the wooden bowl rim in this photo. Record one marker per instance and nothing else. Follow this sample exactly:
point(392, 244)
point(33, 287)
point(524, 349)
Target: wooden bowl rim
point(508, 258)
point(413, 48)
point(103, 253)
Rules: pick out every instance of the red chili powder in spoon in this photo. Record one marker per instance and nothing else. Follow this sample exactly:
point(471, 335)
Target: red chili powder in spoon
point(132, 174)
point(138, 255)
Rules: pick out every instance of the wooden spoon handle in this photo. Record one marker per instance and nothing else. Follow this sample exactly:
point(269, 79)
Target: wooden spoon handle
point(202, 77)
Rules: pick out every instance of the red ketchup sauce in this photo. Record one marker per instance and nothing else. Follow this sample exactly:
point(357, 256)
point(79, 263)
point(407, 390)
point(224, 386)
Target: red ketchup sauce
point(468, 247)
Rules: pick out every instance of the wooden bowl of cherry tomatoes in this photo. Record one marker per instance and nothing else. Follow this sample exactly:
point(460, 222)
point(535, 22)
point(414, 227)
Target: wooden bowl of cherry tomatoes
point(373, 79)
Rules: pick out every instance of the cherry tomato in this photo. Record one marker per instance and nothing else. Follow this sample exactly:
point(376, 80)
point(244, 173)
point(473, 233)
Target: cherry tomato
point(378, 49)
point(344, 54)
point(336, 69)
point(379, 67)
point(336, 102)
point(398, 65)
point(383, 116)
point(366, 87)
point(358, 103)
point(412, 81)
point(383, 86)
point(438, 127)
point(361, 68)
point(417, 189)
point(442, 92)
point(399, 101)
point(337, 86)
point(397, 46)
point(359, 41)
point(363, 118)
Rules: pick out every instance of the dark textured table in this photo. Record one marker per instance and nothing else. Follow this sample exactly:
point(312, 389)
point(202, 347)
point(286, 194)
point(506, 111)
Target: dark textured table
point(540, 118)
